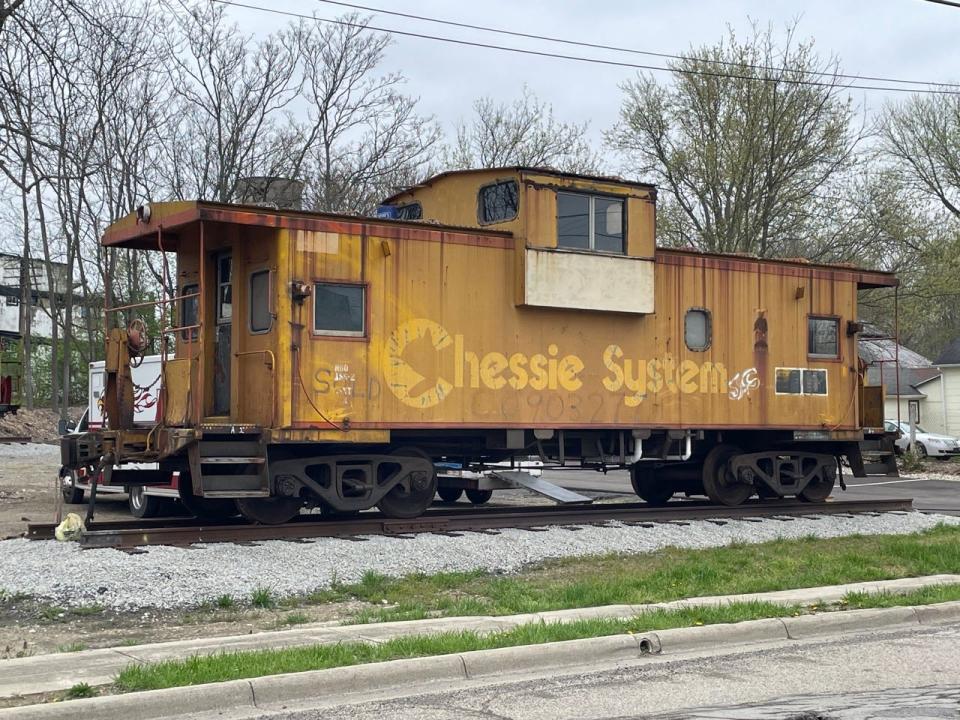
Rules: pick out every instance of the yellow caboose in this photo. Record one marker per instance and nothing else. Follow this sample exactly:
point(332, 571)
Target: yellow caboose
point(316, 359)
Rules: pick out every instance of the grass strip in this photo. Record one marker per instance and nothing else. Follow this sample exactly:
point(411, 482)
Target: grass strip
point(197, 670)
point(668, 574)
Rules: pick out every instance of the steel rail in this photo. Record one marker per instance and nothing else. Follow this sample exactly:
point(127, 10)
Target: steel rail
point(127, 534)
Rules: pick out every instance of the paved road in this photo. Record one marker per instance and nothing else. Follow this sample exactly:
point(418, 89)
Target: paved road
point(905, 674)
point(942, 495)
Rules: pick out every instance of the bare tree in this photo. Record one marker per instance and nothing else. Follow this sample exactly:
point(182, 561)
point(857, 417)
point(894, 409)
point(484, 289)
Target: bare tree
point(742, 149)
point(229, 96)
point(922, 135)
point(362, 136)
point(524, 132)
point(8, 8)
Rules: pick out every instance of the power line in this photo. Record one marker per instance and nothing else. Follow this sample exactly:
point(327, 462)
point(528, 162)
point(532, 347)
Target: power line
point(578, 58)
point(948, 3)
point(596, 46)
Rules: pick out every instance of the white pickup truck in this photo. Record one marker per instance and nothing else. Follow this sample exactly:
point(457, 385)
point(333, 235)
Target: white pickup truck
point(144, 501)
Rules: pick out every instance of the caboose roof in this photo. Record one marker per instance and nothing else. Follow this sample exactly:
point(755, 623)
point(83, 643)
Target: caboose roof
point(171, 221)
point(523, 169)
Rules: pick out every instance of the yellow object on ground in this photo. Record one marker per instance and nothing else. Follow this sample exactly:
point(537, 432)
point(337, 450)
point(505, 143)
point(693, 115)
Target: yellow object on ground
point(70, 528)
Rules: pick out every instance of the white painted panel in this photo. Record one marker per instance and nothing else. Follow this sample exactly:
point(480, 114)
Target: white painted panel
point(146, 391)
point(588, 281)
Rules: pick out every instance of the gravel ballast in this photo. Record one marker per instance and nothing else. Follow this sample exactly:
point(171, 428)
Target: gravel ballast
point(169, 577)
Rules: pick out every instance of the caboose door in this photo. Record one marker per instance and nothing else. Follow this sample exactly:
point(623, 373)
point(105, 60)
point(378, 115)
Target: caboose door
point(222, 350)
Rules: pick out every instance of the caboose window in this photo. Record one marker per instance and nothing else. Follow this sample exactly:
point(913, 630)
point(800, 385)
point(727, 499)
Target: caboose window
point(260, 317)
point(413, 211)
point(697, 329)
point(589, 222)
point(498, 202)
point(823, 337)
point(189, 311)
point(338, 309)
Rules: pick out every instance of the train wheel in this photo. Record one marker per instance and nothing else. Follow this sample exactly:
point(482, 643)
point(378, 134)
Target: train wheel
point(269, 511)
point(819, 489)
point(645, 485)
point(450, 495)
point(72, 495)
point(479, 497)
point(720, 486)
point(412, 499)
point(141, 504)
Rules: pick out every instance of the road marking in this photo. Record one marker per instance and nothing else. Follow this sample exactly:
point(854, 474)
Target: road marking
point(911, 480)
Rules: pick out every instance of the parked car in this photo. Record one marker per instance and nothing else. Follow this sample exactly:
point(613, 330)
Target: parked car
point(928, 444)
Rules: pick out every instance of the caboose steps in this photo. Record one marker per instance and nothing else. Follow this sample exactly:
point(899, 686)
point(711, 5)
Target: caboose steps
point(229, 468)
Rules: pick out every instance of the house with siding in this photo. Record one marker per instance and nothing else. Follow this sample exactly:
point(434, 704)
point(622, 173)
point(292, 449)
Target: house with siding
point(947, 386)
point(908, 378)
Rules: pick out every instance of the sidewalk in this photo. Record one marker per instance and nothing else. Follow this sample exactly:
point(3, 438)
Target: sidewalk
point(60, 671)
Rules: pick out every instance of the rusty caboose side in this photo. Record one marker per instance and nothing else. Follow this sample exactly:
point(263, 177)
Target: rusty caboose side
point(324, 359)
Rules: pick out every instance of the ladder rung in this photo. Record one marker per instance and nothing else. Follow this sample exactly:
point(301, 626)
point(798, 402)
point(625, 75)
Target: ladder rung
point(232, 460)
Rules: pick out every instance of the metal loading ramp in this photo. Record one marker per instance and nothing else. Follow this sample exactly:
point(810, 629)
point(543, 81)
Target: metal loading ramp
point(522, 480)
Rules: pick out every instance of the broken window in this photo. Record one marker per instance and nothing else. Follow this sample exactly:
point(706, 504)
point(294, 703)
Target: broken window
point(413, 211)
point(499, 202)
point(589, 222)
point(697, 329)
point(823, 337)
point(338, 309)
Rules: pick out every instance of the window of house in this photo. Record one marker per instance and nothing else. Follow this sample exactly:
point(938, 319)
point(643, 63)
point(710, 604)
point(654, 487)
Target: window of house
point(190, 311)
point(260, 317)
point(499, 202)
point(413, 211)
point(823, 337)
point(338, 309)
point(590, 222)
point(12, 301)
point(697, 329)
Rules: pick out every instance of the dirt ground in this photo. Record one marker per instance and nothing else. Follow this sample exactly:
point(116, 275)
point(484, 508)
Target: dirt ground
point(29, 490)
point(39, 424)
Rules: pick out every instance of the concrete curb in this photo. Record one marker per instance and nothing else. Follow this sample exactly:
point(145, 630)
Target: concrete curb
point(277, 691)
point(58, 672)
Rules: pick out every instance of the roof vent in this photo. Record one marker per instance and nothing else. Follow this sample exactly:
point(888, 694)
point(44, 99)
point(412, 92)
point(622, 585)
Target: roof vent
point(276, 192)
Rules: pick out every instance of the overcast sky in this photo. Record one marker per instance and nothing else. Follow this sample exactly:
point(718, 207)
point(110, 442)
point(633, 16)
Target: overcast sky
point(906, 39)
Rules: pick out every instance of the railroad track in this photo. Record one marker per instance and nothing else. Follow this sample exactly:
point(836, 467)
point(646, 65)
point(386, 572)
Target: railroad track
point(186, 531)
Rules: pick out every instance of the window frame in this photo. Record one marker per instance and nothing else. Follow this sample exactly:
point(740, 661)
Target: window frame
point(340, 335)
point(269, 299)
point(802, 393)
point(516, 210)
point(591, 231)
point(189, 336)
point(835, 319)
point(709, 339)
